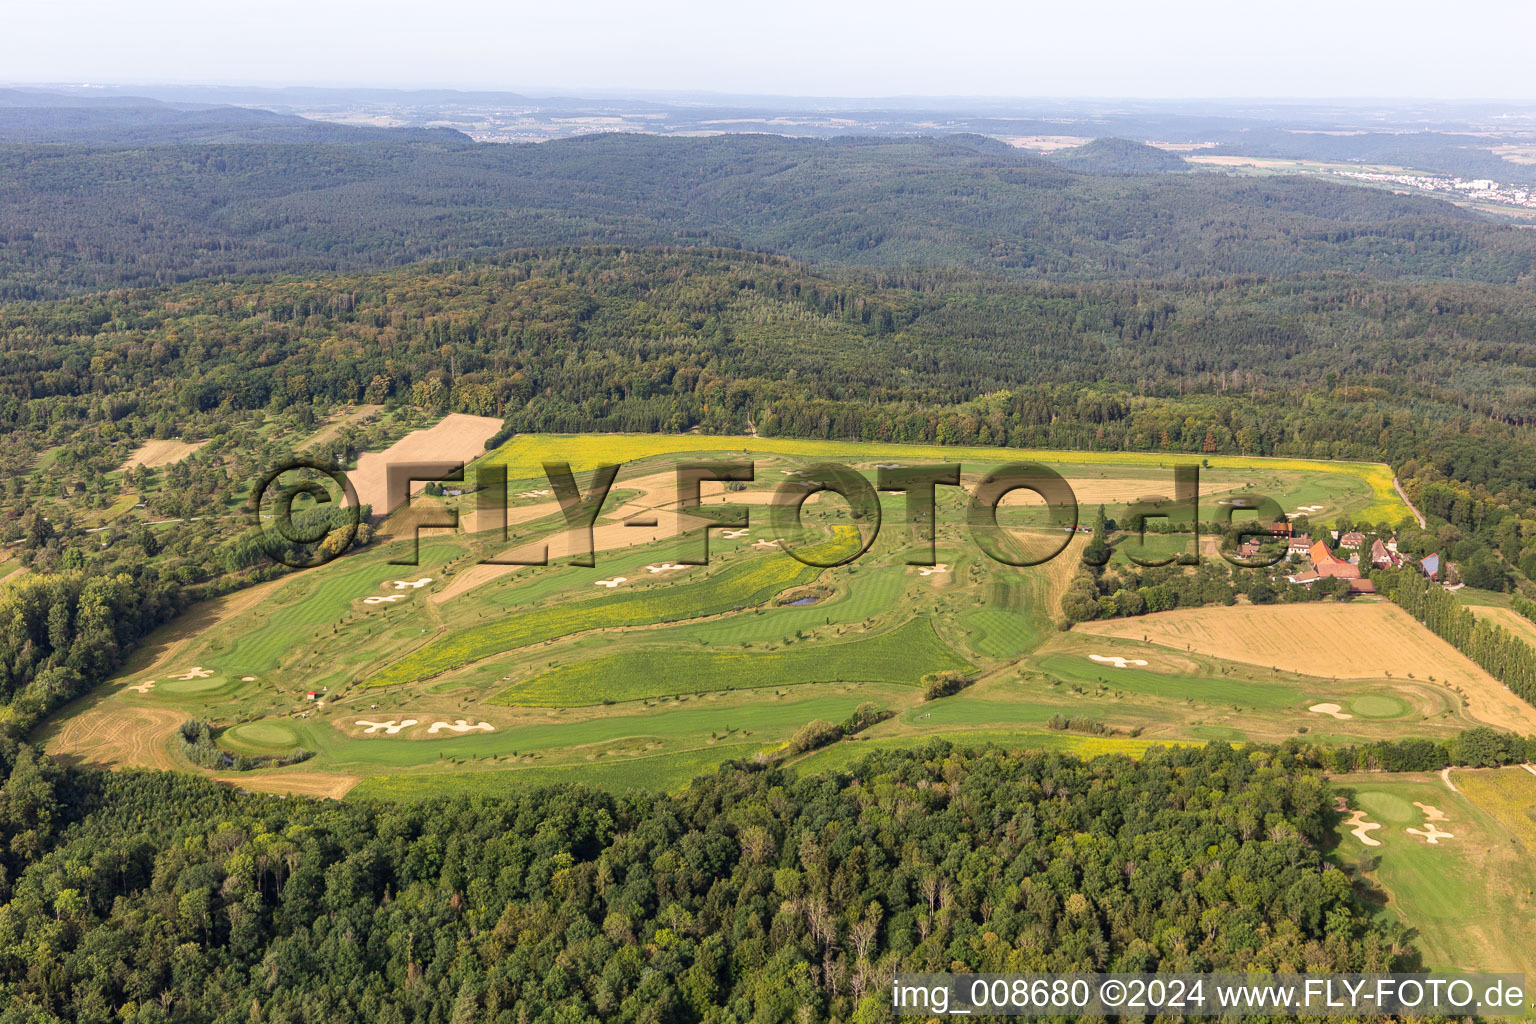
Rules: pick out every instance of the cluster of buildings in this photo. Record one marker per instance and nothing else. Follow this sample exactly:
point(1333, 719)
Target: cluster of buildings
point(1484, 189)
point(1311, 560)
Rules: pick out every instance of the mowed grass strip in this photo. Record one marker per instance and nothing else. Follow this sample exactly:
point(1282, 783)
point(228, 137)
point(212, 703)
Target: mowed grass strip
point(744, 586)
point(903, 655)
point(661, 773)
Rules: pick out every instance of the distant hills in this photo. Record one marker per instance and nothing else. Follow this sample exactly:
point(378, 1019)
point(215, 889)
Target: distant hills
point(89, 217)
point(1119, 156)
point(33, 116)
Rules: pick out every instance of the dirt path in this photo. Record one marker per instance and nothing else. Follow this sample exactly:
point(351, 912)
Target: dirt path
point(1445, 777)
point(1411, 506)
point(1530, 768)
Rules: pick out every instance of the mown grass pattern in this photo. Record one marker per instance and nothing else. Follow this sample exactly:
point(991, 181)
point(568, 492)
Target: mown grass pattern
point(902, 655)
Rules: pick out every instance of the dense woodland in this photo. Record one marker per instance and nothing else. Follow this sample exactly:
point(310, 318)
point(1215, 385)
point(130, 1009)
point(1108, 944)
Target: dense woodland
point(957, 293)
point(754, 896)
point(76, 218)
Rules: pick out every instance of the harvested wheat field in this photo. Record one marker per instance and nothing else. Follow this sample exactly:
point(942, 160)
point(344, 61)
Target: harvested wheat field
point(117, 735)
point(457, 437)
point(331, 785)
point(1332, 641)
point(155, 454)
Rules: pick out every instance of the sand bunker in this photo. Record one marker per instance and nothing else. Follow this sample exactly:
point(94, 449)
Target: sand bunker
point(389, 728)
point(413, 584)
point(143, 687)
point(610, 584)
point(384, 600)
point(461, 725)
point(534, 494)
point(929, 570)
point(888, 465)
point(664, 567)
point(1357, 824)
point(195, 672)
point(1310, 508)
point(1331, 709)
point(247, 679)
point(1118, 662)
point(1431, 812)
point(767, 543)
point(733, 534)
point(1431, 834)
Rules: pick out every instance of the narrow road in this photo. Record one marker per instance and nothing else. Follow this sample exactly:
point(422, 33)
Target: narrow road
point(1411, 506)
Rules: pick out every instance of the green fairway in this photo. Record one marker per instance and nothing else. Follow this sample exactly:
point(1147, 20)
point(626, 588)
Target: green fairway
point(1464, 895)
point(731, 588)
point(903, 655)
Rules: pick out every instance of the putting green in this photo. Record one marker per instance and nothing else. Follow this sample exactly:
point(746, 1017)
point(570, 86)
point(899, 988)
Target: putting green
point(193, 685)
point(263, 735)
point(1377, 705)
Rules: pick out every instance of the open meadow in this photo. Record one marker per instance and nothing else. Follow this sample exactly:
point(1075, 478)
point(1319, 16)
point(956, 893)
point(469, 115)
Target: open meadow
point(644, 669)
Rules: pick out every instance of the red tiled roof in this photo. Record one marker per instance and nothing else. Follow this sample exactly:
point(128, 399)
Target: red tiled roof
point(1326, 564)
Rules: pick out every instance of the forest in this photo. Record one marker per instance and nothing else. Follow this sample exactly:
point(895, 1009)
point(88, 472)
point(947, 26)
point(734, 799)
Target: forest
point(753, 896)
point(80, 218)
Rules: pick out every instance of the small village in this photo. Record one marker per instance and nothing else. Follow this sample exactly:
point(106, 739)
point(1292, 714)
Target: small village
point(1309, 558)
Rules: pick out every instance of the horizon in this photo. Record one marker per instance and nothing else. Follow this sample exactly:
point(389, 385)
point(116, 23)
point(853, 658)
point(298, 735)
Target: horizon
point(858, 49)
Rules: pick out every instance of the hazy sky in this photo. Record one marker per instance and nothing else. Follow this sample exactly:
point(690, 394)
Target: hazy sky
point(1154, 48)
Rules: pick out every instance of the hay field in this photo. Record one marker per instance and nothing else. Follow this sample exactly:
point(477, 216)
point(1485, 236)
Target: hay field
point(457, 437)
point(1329, 640)
point(1359, 640)
point(154, 454)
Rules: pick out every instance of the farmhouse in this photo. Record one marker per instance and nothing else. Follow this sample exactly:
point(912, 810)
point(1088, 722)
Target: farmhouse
point(1381, 556)
point(1326, 563)
point(1299, 545)
point(1352, 540)
point(1430, 566)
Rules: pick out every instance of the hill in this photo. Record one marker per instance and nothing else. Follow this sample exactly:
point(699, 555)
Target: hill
point(37, 117)
point(87, 218)
point(1119, 156)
